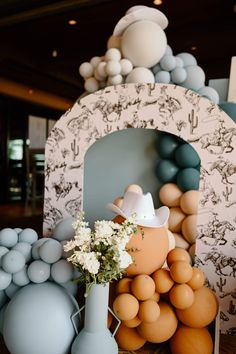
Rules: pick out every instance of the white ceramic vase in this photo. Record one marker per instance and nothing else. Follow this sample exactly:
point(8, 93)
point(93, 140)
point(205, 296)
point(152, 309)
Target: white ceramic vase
point(95, 337)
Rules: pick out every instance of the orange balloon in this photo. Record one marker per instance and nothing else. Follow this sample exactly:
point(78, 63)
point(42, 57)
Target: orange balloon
point(123, 286)
point(191, 340)
point(143, 287)
point(203, 310)
point(163, 328)
point(181, 271)
point(181, 296)
point(134, 322)
point(125, 306)
point(148, 248)
point(197, 280)
point(128, 338)
point(149, 311)
point(177, 254)
point(163, 280)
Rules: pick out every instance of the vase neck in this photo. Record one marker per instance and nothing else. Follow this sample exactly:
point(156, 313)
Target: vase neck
point(96, 308)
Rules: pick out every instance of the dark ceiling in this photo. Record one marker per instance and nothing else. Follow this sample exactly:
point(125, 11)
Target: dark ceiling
point(31, 30)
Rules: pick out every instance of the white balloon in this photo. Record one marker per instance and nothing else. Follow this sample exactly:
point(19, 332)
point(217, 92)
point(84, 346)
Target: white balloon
point(143, 43)
point(113, 54)
point(91, 85)
point(115, 80)
point(140, 75)
point(86, 70)
point(101, 69)
point(126, 66)
point(113, 68)
point(95, 61)
point(171, 240)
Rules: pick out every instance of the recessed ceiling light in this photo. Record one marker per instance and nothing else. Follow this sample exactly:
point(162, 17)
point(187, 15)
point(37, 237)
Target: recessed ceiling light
point(72, 22)
point(157, 2)
point(193, 48)
point(54, 53)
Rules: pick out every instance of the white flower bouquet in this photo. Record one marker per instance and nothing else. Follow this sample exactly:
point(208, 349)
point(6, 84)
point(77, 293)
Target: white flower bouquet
point(100, 255)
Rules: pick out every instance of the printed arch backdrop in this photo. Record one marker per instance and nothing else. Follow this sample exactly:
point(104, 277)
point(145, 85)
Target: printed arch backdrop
point(171, 109)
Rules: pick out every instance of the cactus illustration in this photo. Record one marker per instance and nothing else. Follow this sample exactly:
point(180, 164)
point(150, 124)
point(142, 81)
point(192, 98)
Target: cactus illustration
point(75, 149)
point(232, 308)
point(193, 121)
point(221, 284)
point(228, 191)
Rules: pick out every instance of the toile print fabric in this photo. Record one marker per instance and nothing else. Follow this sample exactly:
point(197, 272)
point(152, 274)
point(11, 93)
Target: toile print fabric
point(171, 109)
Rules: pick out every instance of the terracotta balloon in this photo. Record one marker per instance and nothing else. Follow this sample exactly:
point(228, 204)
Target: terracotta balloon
point(163, 328)
point(128, 338)
point(148, 248)
point(191, 340)
point(203, 310)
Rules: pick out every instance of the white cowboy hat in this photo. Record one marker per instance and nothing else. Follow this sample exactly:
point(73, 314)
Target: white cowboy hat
point(141, 207)
point(137, 13)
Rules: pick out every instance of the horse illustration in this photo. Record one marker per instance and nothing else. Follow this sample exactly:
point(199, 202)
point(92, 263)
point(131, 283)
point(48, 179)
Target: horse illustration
point(221, 139)
point(225, 169)
point(221, 262)
point(216, 230)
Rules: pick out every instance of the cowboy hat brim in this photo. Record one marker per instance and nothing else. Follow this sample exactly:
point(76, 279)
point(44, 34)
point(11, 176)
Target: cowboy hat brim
point(159, 220)
point(146, 13)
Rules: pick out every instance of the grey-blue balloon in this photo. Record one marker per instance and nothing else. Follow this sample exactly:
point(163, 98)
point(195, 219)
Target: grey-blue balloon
point(25, 249)
point(28, 235)
point(38, 271)
point(210, 93)
point(64, 229)
point(38, 320)
point(8, 237)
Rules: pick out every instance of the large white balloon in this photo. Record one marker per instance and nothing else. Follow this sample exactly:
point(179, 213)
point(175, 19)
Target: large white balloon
point(140, 75)
point(144, 43)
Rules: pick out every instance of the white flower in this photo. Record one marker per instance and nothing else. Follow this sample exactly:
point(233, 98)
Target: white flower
point(88, 261)
point(125, 259)
point(70, 245)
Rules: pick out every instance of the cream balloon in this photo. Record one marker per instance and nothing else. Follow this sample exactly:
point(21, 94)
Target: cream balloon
point(143, 43)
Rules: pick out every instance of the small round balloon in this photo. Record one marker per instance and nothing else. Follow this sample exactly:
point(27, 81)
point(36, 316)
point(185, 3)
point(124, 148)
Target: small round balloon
point(28, 235)
point(188, 179)
point(186, 156)
point(8, 237)
point(166, 146)
point(38, 271)
point(166, 171)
